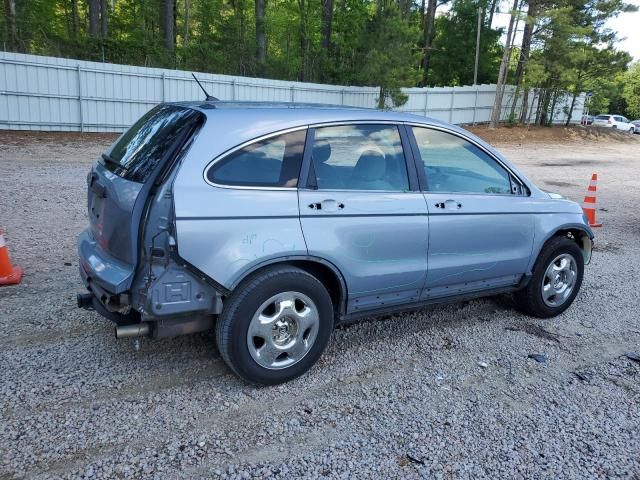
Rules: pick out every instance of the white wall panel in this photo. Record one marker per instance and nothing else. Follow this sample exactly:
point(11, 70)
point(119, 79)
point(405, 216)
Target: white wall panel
point(48, 93)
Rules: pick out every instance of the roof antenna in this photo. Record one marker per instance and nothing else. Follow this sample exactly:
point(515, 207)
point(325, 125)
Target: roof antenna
point(206, 95)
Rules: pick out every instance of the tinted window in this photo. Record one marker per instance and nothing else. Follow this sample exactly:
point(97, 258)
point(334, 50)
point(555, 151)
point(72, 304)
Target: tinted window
point(146, 143)
point(359, 157)
point(452, 164)
point(602, 117)
point(273, 162)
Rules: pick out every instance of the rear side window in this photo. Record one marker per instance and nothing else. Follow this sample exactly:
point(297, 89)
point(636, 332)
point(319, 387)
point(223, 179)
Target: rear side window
point(359, 157)
point(137, 153)
point(272, 162)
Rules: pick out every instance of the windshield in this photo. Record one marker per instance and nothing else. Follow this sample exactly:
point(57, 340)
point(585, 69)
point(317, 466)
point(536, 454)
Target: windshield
point(136, 153)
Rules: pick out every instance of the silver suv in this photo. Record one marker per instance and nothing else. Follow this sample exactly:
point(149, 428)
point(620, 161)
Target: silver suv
point(272, 223)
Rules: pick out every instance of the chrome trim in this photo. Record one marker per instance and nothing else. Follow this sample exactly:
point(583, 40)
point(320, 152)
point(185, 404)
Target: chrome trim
point(337, 123)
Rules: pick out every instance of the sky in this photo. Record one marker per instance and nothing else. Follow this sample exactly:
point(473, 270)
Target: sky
point(627, 26)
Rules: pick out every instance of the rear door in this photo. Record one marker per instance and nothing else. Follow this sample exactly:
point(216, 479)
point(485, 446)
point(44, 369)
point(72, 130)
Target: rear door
point(118, 187)
point(361, 210)
point(480, 226)
point(244, 212)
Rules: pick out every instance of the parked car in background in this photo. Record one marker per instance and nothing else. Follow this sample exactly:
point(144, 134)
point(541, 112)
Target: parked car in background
point(272, 223)
point(586, 120)
point(614, 121)
point(636, 125)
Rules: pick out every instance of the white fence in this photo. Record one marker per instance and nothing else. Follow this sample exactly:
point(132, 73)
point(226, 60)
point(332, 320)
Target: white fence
point(49, 93)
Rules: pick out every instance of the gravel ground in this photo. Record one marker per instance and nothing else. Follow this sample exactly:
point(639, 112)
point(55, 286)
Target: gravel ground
point(447, 392)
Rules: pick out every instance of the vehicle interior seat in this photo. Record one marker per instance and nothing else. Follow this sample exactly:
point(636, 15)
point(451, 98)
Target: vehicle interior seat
point(327, 176)
point(370, 172)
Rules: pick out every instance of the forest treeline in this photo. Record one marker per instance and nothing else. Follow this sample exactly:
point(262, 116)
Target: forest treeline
point(562, 48)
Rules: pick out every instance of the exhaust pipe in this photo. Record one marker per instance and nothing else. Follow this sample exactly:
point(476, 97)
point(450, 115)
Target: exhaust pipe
point(85, 300)
point(135, 330)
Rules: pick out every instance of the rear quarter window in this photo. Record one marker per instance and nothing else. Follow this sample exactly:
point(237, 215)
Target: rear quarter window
point(140, 149)
point(271, 162)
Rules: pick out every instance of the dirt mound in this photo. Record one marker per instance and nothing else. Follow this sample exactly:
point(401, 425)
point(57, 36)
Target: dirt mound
point(555, 134)
point(20, 137)
point(501, 135)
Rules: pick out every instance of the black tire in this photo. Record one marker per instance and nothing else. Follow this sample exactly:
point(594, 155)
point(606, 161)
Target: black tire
point(233, 324)
point(529, 300)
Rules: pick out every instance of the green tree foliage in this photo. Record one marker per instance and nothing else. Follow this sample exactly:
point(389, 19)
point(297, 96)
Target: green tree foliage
point(454, 47)
point(387, 56)
point(573, 52)
point(382, 43)
point(631, 91)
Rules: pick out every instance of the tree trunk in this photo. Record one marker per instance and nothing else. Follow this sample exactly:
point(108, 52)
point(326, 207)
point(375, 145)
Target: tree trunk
point(543, 106)
point(525, 106)
point(504, 64)
point(573, 104)
point(327, 20)
point(187, 20)
point(12, 29)
point(167, 22)
point(261, 37)
point(552, 113)
point(304, 42)
point(75, 19)
point(527, 36)
point(381, 98)
point(492, 10)
point(94, 18)
point(104, 18)
point(428, 32)
point(536, 93)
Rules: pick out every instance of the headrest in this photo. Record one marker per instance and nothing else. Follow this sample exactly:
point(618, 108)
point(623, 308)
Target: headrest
point(371, 166)
point(321, 151)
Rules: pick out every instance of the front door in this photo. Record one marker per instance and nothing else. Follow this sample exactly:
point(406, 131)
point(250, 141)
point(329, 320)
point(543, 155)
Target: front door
point(481, 232)
point(361, 212)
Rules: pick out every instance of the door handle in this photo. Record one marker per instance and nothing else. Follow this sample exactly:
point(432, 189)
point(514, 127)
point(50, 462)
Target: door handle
point(449, 204)
point(329, 205)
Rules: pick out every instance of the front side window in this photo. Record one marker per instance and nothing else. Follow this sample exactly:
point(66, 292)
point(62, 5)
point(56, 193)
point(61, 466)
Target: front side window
point(359, 157)
point(453, 164)
point(272, 162)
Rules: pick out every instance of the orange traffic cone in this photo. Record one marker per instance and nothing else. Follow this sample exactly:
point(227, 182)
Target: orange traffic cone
point(9, 275)
point(589, 204)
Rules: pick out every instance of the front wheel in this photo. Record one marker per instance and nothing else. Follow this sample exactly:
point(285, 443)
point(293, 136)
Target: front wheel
point(275, 325)
point(556, 279)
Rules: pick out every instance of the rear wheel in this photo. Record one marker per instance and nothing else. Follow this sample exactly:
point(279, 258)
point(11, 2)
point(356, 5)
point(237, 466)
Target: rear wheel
point(556, 280)
point(632, 130)
point(275, 325)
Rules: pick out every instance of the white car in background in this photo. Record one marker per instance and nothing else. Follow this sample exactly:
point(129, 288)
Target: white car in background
point(614, 121)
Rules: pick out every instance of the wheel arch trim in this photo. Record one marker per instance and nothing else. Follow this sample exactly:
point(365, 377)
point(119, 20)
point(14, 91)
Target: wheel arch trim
point(297, 258)
point(585, 243)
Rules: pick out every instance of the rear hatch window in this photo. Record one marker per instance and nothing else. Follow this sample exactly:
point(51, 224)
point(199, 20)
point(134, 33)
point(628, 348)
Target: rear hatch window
point(602, 117)
point(138, 151)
